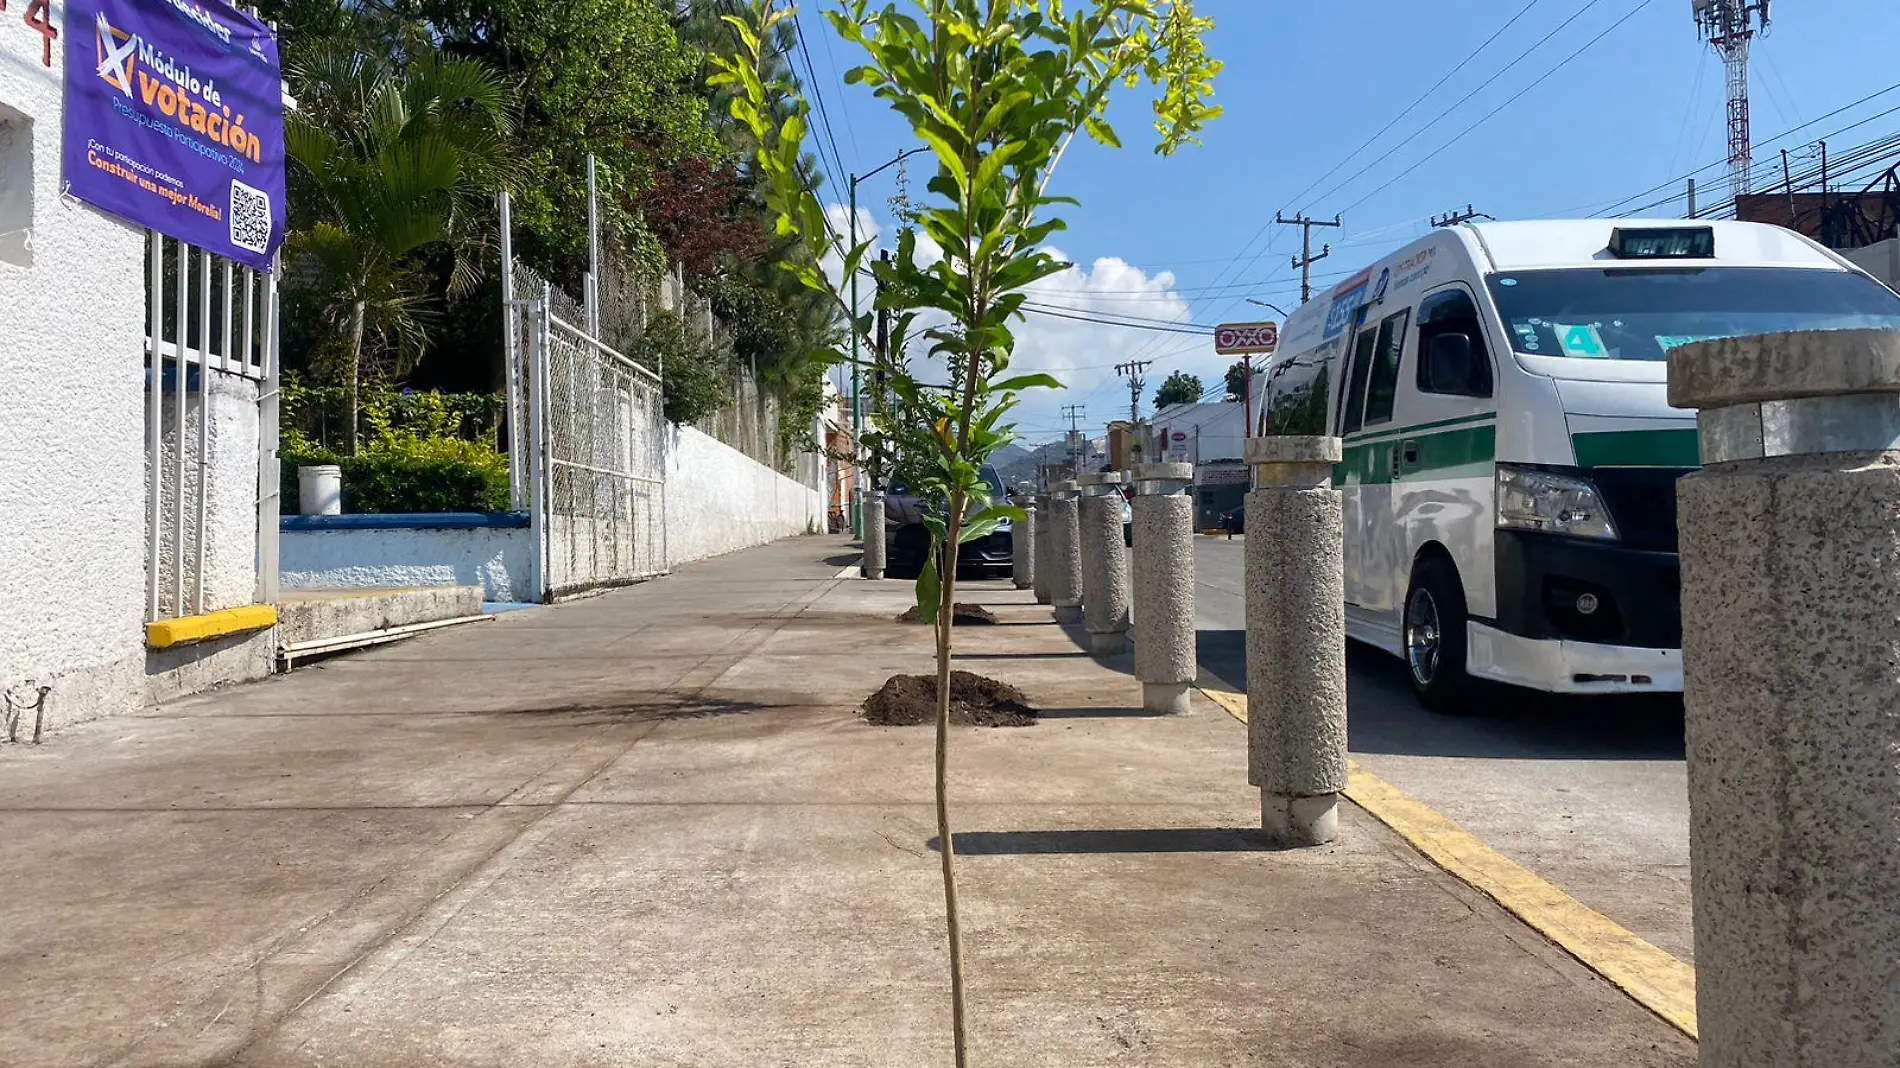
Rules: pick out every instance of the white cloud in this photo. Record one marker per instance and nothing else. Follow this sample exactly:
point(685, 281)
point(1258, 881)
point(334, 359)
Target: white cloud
point(1055, 338)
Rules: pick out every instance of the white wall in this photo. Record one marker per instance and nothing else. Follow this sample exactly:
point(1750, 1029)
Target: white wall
point(72, 455)
point(719, 500)
point(72, 436)
point(1882, 260)
point(498, 559)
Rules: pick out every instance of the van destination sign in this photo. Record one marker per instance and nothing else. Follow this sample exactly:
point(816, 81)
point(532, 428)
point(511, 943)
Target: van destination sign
point(1239, 339)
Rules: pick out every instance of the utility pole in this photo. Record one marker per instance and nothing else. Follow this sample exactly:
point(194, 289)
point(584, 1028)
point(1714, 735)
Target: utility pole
point(1073, 413)
point(1132, 371)
point(1787, 181)
point(1454, 217)
point(1305, 260)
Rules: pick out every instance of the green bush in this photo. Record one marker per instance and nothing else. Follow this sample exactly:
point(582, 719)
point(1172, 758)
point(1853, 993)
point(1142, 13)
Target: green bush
point(429, 475)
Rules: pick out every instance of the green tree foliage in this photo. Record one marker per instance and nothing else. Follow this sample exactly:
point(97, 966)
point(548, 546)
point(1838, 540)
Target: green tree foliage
point(1179, 388)
point(396, 160)
point(1236, 382)
point(603, 76)
point(997, 89)
point(695, 373)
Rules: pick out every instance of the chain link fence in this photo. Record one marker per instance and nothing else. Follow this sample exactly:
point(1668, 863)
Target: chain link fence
point(601, 466)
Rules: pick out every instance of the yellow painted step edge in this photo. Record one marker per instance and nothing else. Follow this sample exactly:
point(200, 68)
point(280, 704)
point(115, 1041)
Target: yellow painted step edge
point(165, 633)
point(1653, 978)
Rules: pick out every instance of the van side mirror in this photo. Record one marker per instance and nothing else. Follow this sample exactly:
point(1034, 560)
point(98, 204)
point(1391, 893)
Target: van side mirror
point(1448, 364)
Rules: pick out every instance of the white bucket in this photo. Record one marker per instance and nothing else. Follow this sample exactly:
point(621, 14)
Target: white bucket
point(320, 490)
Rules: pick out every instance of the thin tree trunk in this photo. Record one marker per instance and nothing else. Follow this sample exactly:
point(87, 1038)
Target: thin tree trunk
point(946, 616)
point(356, 372)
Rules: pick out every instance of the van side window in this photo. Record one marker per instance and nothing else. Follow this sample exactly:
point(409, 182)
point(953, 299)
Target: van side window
point(1355, 383)
point(1452, 357)
point(1385, 367)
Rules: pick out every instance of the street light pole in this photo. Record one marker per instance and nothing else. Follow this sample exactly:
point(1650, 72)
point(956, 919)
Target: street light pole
point(1246, 361)
point(857, 372)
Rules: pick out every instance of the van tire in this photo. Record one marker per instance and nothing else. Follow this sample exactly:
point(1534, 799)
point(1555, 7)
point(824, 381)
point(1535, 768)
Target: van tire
point(1433, 638)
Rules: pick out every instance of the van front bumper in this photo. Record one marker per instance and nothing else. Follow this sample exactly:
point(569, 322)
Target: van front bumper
point(1555, 665)
point(1634, 594)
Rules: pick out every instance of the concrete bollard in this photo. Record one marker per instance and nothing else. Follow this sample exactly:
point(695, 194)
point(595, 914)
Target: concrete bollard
point(1165, 656)
point(1065, 553)
point(1041, 556)
point(1022, 550)
point(873, 566)
point(1104, 563)
point(1296, 638)
point(1790, 549)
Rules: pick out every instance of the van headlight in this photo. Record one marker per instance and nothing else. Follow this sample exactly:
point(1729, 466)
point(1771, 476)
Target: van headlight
point(1532, 499)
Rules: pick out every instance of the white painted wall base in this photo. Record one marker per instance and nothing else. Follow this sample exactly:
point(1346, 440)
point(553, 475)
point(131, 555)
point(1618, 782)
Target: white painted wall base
point(719, 500)
point(498, 559)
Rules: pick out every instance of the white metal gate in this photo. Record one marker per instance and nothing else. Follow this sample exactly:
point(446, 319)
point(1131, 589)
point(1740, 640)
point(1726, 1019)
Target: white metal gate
point(595, 457)
point(211, 396)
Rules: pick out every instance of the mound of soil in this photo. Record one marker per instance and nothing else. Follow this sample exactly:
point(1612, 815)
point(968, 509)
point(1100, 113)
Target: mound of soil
point(962, 615)
point(975, 701)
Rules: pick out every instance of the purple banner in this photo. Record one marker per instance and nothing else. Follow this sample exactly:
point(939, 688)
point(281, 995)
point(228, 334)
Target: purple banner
point(175, 120)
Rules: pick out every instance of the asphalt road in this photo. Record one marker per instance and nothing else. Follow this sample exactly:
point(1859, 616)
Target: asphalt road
point(1588, 793)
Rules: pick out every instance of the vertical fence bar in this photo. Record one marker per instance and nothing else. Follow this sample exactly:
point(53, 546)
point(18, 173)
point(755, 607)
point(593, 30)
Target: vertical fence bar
point(511, 361)
point(204, 431)
point(179, 371)
point(540, 492)
point(269, 477)
point(248, 344)
point(154, 413)
point(224, 337)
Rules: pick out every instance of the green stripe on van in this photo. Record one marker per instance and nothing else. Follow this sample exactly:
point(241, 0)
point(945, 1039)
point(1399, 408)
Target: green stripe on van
point(1677, 447)
point(1440, 455)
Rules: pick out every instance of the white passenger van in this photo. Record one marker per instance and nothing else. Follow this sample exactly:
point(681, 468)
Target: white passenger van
point(1510, 456)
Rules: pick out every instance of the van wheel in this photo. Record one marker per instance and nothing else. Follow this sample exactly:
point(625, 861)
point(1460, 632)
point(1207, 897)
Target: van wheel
point(1435, 637)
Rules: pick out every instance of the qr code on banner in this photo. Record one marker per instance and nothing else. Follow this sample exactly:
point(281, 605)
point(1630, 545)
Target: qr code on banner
point(250, 217)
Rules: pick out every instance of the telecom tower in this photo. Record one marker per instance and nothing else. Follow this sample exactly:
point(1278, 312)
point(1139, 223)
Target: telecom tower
point(1728, 26)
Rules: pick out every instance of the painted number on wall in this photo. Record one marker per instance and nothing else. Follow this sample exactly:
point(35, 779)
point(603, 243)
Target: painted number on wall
point(39, 16)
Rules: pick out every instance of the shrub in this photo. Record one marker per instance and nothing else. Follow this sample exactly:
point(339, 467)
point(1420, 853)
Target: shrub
point(404, 474)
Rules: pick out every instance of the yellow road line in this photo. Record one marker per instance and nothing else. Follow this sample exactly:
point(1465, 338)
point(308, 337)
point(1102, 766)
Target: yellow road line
point(1657, 981)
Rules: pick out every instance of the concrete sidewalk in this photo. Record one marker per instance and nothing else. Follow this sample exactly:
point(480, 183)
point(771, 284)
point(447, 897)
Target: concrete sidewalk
point(649, 829)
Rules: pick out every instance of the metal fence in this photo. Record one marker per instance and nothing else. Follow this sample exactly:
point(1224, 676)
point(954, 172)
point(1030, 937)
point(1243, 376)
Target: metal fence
point(211, 348)
point(594, 454)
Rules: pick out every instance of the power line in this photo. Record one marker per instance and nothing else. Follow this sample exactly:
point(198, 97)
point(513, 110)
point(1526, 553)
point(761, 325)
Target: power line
point(1422, 97)
point(1513, 98)
point(818, 96)
point(1446, 113)
point(1152, 325)
point(1681, 178)
point(844, 111)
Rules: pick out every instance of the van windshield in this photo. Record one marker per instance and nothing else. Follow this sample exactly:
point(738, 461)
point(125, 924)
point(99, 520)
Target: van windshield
point(1622, 313)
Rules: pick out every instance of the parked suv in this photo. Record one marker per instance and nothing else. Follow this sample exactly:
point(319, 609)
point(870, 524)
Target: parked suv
point(907, 540)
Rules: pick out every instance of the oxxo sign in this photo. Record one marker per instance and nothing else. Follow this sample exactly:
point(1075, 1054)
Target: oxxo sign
point(1239, 339)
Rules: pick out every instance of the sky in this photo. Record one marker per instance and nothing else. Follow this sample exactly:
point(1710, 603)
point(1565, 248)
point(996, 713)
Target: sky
point(1575, 105)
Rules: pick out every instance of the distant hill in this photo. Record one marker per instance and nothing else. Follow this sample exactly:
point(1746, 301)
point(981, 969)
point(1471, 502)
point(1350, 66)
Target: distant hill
point(1018, 464)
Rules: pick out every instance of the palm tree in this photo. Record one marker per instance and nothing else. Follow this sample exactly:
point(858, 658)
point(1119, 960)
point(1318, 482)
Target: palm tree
point(403, 158)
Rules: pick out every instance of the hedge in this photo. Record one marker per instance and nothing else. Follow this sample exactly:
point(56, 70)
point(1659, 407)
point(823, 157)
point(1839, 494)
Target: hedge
point(387, 481)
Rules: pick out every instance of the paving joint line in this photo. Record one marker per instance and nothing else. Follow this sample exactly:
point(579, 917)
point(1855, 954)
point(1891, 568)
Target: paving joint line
point(1650, 976)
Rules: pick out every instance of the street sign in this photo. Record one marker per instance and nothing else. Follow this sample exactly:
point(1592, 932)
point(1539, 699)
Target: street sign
point(1238, 339)
point(1178, 436)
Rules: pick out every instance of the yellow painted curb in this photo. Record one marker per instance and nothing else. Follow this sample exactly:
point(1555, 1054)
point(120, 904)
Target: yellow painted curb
point(166, 633)
point(1654, 979)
